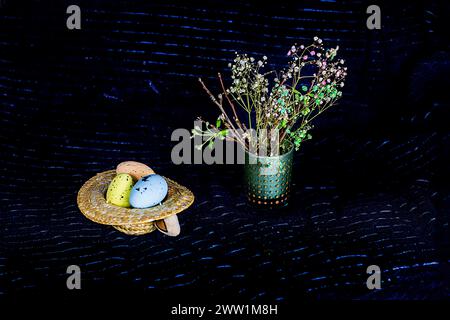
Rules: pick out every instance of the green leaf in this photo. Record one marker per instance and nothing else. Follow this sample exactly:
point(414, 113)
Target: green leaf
point(218, 122)
point(305, 111)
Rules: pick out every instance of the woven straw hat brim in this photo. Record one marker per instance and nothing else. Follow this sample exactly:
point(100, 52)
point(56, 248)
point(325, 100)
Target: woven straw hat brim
point(137, 229)
point(92, 203)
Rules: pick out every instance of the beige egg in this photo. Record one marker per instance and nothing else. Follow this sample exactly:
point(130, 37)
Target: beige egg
point(169, 226)
point(135, 169)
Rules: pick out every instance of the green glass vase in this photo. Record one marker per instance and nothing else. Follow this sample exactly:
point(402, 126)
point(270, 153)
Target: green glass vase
point(268, 179)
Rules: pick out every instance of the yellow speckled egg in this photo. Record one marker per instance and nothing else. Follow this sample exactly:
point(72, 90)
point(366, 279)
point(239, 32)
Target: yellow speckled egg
point(119, 190)
point(136, 169)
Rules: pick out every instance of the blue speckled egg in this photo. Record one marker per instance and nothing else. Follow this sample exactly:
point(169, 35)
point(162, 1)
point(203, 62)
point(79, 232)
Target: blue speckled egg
point(148, 191)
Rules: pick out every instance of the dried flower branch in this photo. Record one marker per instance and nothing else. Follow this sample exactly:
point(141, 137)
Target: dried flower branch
point(309, 86)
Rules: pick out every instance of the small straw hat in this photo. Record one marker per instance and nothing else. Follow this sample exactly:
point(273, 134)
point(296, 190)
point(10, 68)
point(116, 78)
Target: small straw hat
point(92, 203)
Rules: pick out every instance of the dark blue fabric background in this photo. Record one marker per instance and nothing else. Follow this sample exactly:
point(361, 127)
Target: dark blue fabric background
point(370, 188)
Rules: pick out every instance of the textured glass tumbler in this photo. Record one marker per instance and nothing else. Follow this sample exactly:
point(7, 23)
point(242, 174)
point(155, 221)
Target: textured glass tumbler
point(268, 179)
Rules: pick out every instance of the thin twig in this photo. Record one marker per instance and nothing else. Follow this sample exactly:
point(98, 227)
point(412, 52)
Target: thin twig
point(222, 110)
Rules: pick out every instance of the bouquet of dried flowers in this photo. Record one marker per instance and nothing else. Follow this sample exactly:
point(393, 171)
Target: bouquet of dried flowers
point(276, 105)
